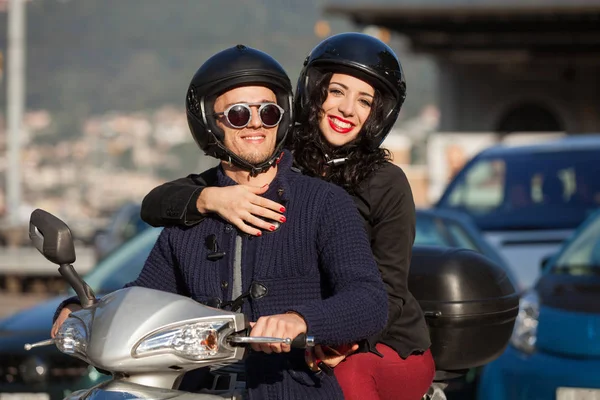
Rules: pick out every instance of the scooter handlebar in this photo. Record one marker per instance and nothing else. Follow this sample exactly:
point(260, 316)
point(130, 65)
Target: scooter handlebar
point(301, 341)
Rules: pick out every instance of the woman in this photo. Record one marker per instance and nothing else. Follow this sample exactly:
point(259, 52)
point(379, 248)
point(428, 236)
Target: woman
point(348, 97)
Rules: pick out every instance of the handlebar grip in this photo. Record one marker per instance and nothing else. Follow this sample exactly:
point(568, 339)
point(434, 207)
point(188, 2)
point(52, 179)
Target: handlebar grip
point(303, 341)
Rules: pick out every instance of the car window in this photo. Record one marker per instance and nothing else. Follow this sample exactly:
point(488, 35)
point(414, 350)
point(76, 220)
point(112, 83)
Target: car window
point(482, 188)
point(582, 256)
point(430, 232)
point(124, 264)
point(461, 237)
point(538, 190)
point(134, 226)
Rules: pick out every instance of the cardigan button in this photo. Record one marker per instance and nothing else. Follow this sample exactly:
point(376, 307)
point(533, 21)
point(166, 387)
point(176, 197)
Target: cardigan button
point(228, 228)
point(224, 284)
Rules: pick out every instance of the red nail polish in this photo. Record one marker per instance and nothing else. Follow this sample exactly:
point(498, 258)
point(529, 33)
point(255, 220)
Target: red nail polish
point(258, 233)
point(282, 209)
point(282, 219)
point(272, 228)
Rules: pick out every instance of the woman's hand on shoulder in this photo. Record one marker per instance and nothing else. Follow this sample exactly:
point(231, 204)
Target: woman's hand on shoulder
point(242, 205)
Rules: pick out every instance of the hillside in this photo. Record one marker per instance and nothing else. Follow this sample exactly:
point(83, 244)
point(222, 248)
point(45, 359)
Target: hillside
point(86, 57)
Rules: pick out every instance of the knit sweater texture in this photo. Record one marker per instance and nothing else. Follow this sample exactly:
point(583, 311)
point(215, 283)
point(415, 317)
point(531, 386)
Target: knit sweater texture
point(318, 264)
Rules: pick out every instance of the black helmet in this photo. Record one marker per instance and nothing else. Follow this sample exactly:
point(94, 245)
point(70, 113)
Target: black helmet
point(364, 57)
point(226, 70)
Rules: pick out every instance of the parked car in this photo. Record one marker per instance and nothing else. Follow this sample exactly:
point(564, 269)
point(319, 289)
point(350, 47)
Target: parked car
point(20, 370)
point(125, 223)
point(528, 199)
point(454, 229)
point(554, 352)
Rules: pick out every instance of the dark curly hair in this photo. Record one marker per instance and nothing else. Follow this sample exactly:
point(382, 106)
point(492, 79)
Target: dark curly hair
point(311, 150)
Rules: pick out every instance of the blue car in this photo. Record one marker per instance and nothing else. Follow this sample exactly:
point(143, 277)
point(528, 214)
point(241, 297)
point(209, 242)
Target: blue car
point(449, 228)
point(554, 352)
point(528, 199)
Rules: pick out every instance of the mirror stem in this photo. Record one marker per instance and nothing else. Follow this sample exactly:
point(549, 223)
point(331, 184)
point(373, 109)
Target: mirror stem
point(84, 291)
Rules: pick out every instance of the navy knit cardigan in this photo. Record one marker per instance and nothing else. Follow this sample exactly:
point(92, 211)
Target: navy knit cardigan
point(318, 264)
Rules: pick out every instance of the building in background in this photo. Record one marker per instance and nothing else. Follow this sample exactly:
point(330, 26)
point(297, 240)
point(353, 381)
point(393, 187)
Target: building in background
point(504, 66)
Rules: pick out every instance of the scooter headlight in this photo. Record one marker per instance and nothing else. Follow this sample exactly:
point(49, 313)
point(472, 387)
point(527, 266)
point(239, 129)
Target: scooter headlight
point(193, 341)
point(524, 334)
point(72, 338)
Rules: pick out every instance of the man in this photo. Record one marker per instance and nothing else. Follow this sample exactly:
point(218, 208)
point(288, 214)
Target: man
point(315, 274)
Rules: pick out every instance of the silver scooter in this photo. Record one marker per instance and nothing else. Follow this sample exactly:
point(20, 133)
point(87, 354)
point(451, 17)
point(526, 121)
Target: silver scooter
point(146, 339)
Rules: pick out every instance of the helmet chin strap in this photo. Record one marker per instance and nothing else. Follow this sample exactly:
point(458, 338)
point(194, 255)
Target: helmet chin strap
point(254, 170)
point(335, 161)
point(329, 160)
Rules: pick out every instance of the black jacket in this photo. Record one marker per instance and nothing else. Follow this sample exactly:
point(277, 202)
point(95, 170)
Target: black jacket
point(385, 202)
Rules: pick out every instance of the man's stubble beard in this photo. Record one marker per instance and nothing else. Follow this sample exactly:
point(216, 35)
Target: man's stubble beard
point(248, 154)
point(255, 158)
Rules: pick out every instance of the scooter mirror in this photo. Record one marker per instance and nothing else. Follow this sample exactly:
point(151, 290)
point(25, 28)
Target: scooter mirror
point(52, 237)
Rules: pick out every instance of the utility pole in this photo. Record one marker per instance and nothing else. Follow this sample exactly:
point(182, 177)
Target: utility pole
point(15, 103)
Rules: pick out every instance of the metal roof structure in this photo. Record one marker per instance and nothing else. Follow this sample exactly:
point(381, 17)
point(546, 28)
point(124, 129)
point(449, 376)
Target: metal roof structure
point(438, 26)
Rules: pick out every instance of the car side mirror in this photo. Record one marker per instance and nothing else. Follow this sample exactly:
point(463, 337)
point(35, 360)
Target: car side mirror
point(545, 260)
point(52, 237)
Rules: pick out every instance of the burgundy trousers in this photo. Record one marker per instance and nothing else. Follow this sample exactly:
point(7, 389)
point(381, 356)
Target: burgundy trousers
point(366, 376)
